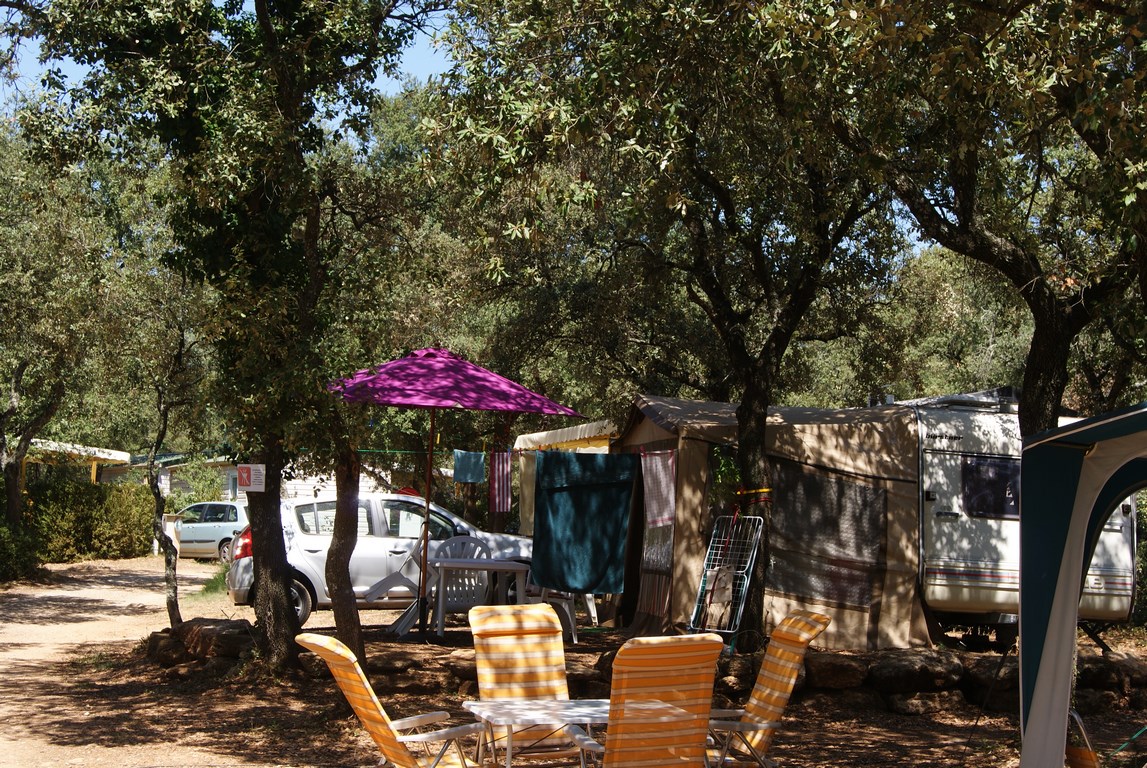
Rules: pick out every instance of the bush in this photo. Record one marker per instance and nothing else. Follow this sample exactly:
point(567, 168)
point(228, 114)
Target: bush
point(126, 526)
point(76, 520)
point(17, 554)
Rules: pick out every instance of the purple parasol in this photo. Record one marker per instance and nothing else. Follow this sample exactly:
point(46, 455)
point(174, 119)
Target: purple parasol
point(436, 378)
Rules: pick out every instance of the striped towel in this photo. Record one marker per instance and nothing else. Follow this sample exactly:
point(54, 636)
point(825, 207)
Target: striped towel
point(500, 482)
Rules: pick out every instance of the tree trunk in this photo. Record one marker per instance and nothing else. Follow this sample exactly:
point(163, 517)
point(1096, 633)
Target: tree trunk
point(752, 416)
point(1046, 366)
point(348, 627)
point(170, 555)
point(274, 610)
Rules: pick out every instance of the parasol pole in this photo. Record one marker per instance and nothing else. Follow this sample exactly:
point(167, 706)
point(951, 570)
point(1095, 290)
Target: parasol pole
point(422, 602)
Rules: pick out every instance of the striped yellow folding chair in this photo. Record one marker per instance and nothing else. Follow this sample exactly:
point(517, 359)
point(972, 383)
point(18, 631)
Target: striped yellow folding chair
point(519, 654)
point(659, 703)
point(386, 732)
point(743, 736)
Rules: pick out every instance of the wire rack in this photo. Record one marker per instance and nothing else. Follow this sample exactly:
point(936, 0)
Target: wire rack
point(725, 577)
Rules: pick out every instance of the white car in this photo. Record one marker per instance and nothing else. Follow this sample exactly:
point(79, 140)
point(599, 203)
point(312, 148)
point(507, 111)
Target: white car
point(389, 527)
point(206, 530)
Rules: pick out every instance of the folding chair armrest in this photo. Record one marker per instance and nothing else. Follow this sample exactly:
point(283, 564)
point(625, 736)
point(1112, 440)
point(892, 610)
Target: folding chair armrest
point(583, 740)
point(445, 734)
point(726, 714)
point(418, 721)
point(743, 726)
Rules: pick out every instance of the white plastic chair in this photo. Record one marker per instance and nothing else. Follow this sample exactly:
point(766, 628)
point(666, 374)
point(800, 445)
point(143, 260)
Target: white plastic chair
point(563, 604)
point(462, 590)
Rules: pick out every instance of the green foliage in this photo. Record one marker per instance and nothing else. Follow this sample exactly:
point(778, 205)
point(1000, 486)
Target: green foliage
point(194, 482)
point(1139, 612)
point(52, 261)
point(76, 520)
point(947, 324)
point(17, 553)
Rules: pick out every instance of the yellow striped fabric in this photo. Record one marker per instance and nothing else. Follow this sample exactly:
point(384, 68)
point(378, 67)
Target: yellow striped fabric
point(780, 668)
point(357, 689)
point(519, 654)
point(674, 670)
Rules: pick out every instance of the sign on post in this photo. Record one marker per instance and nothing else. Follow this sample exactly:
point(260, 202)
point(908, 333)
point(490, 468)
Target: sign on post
point(251, 477)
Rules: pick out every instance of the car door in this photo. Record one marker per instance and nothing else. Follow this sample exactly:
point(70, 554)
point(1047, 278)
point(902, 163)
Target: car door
point(203, 526)
point(191, 530)
point(368, 563)
point(403, 522)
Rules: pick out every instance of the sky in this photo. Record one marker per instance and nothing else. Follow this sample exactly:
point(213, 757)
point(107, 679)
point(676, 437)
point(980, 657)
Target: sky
point(421, 61)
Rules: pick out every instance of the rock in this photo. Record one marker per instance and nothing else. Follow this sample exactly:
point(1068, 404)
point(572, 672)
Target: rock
point(912, 671)
point(1132, 665)
point(313, 666)
point(166, 650)
point(585, 680)
point(183, 671)
point(214, 637)
point(992, 682)
point(461, 664)
point(924, 703)
point(394, 661)
point(844, 700)
point(220, 666)
point(1090, 701)
point(1101, 674)
point(835, 671)
point(733, 686)
point(741, 665)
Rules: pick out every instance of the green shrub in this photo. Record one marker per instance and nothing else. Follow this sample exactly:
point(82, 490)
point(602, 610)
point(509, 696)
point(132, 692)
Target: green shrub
point(76, 520)
point(126, 526)
point(17, 554)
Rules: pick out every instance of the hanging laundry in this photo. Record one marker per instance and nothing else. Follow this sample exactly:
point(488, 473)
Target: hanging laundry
point(500, 482)
point(581, 517)
point(469, 467)
point(659, 475)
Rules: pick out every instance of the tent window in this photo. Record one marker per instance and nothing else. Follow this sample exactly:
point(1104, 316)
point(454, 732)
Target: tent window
point(990, 486)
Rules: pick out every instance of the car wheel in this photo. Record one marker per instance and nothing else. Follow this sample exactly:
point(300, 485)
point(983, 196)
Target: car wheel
point(225, 551)
point(301, 599)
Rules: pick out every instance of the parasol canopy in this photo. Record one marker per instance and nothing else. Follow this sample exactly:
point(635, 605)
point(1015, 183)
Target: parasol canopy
point(436, 378)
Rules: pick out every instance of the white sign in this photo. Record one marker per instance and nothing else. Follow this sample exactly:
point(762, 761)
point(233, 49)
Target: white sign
point(251, 477)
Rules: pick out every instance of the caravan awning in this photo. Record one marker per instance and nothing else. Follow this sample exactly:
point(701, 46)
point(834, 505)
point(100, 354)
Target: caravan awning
point(1072, 479)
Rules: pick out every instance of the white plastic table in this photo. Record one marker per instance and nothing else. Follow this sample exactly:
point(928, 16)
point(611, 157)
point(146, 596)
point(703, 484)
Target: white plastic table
point(508, 713)
point(441, 566)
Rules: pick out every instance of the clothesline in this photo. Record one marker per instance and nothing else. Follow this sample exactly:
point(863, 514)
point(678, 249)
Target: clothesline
point(398, 451)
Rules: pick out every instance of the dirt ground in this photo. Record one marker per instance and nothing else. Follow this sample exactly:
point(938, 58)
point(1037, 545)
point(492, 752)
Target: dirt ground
point(77, 690)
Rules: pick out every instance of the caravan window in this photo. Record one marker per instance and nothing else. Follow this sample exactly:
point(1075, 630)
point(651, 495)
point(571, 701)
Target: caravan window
point(990, 487)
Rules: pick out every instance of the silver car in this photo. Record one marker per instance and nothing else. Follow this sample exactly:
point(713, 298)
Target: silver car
point(389, 526)
point(206, 530)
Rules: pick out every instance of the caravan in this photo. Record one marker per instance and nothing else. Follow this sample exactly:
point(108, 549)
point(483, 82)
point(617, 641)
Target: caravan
point(969, 520)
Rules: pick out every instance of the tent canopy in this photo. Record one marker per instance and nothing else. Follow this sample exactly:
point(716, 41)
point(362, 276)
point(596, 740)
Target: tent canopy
point(1072, 479)
point(845, 491)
